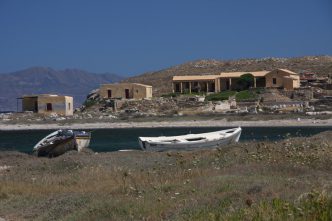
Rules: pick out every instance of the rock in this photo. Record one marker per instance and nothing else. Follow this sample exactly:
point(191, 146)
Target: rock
point(60, 119)
point(53, 115)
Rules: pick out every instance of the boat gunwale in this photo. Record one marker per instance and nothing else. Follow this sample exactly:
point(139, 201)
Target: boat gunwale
point(222, 135)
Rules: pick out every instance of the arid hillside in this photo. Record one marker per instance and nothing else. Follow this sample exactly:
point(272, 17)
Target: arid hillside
point(161, 80)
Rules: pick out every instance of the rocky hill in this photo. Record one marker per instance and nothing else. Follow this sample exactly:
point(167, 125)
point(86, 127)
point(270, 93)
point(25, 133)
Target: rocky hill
point(161, 80)
point(39, 80)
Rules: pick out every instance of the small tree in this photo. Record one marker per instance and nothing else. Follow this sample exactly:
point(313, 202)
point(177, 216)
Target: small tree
point(245, 82)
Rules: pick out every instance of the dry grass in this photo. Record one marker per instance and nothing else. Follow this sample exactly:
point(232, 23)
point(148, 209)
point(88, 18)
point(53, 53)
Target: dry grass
point(286, 180)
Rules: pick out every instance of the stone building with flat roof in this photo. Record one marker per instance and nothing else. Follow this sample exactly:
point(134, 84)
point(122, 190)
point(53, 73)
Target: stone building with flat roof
point(125, 91)
point(48, 104)
point(279, 78)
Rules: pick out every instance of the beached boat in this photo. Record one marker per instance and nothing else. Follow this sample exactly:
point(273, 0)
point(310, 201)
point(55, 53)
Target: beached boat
point(61, 141)
point(191, 141)
point(82, 139)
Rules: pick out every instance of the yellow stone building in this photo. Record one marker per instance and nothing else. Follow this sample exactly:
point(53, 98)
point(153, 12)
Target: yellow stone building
point(279, 78)
point(48, 104)
point(125, 91)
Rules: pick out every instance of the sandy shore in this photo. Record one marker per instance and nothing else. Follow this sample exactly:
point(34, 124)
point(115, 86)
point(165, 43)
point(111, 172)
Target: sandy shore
point(198, 123)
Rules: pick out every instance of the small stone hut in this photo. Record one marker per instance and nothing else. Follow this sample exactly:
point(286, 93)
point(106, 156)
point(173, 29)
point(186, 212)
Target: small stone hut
point(48, 104)
point(126, 91)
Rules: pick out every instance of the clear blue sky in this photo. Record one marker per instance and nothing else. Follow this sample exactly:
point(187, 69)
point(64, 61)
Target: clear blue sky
point(132, 37)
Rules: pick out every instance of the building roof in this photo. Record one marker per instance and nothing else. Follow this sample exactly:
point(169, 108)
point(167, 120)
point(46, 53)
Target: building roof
point(228, 75)
point(288, 71)
point(143, 85)
point(239, 74)
point(195, 77)
point(42, 95)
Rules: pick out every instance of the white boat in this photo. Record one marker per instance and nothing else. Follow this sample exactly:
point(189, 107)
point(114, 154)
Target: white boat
point(190, 141)
point(82, 139)
point(61, 141)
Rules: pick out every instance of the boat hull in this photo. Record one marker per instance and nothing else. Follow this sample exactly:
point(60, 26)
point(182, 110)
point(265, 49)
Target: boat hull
point(57, 148)
point(61, 141)
point(150, 144)
point(82, 142)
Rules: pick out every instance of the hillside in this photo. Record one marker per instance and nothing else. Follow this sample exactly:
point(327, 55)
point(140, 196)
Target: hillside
point(39, 80)
point(161, 80)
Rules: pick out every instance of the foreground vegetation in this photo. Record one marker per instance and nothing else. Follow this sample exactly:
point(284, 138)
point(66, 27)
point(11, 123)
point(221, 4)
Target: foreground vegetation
point(286, 180)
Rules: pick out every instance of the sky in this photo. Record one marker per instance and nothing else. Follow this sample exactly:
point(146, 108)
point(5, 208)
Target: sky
point(130, 37)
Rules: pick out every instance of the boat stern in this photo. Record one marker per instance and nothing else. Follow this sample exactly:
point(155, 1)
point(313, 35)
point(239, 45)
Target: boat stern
point(237, 133)
point(141, 143)
point(82, 139)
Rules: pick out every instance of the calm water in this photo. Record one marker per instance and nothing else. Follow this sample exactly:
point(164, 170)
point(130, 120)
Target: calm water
point(115, 139)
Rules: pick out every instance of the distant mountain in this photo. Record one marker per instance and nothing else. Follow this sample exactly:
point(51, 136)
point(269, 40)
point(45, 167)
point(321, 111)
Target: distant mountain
point(41, 80)
point(162, 80)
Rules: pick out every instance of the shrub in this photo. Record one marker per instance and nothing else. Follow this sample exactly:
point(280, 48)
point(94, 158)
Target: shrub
point(89, 103)
point(246, 95)
point(245, 82)
point(220, 96)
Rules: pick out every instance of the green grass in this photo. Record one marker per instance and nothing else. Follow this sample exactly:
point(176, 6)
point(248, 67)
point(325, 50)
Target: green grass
point(240, 96)
point(224, 95)
point(314, 206)
point(246, 95)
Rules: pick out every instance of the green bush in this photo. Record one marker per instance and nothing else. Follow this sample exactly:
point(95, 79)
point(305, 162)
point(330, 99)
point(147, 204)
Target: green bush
point(89, 103)
point(245, 82)
point(220, 96)
point(246, 95)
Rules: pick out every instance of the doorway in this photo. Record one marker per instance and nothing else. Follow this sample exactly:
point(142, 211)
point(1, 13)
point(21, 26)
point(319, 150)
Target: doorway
point(127, 93)
point(109, 93)
point(35, 109)
point(49, 107)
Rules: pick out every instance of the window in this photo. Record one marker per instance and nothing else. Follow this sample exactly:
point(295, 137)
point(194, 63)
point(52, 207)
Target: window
point(49, 107)
point(68, 106)
point(274, 80)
